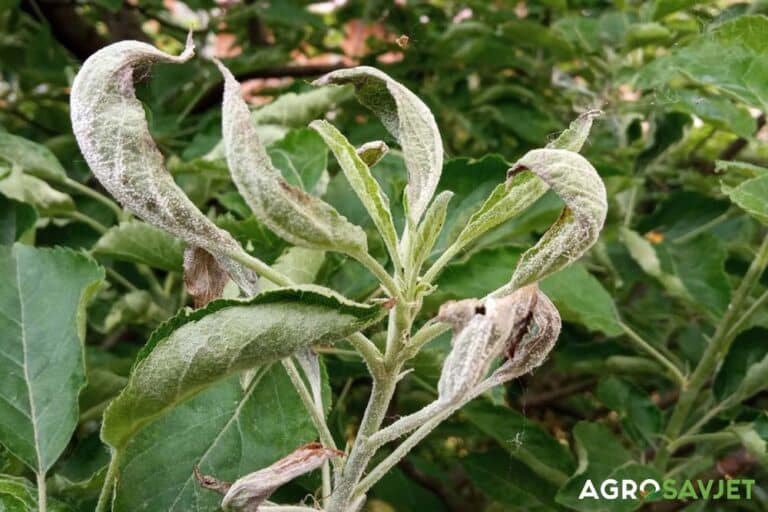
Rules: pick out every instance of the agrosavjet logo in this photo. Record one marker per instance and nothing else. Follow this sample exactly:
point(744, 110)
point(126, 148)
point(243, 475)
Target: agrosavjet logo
point(668, 489)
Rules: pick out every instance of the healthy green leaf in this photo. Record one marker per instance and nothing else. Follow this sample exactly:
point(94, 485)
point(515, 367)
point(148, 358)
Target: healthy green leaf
point(31, 157)
point(523, 439)
point(701, 60)
point(752, 197)
point(299, 264)
point(601, 457)
point(361, 180)
point(746, 353)
point(581, 298)
point(16, 219)
point(42, 302)
point(26, 188)
point(301, 157)
point(194, 350)
point(296, 216)
point(138, 242)
point(575, 180)
point(430, 228)
point(409, 120)
point(226, 430)
point(639, 416)
point(123, 156)
point(17, 494)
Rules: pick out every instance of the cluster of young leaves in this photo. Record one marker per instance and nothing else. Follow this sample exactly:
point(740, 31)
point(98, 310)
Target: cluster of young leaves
point(680, 87)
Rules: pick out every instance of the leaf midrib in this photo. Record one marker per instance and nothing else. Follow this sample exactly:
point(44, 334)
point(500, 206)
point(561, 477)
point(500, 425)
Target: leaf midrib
point(28, 382)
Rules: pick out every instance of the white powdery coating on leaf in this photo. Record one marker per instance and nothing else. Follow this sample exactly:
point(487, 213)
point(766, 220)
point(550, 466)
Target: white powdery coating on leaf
point(294, 215)
point(409, 120)
point(574, 179)
point(111, 129)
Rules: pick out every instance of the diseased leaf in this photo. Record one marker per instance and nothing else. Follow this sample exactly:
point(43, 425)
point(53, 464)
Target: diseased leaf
point(16, 219)
point(225, 430)
point(296, 216)
point(138, 242)
point(204, 276)
point(575, 180)
point(250, 491)
point(409, 120)
point(372, 152)
point(361, 180)
point(123, 156)
point(32, 158)
point(429, 230)
point(194, 350)
point(509, 199)
point(42, 368)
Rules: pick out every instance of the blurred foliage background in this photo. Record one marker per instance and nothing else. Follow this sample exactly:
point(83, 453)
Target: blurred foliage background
point(683, 85)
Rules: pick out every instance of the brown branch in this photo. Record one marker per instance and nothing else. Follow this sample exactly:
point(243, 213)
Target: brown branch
point(730, 152)
point(446, 496)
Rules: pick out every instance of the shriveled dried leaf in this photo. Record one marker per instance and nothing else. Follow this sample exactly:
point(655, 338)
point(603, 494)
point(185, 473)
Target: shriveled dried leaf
point(204, 276)
point(250, 491)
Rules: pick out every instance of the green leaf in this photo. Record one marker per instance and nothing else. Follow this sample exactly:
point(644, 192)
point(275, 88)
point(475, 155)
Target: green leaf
point(409, 120)
point(639, 416)
point(581, 298)
point(19, 495)
point(16, 219)
point(225, 430)
point(123, 156)
point(430, 228)
point(508, 481)
point(42, 303)
point(194, 350)
point(296, 110)
point(717, 110)
point(32, 158)
point(741, 40)
point(574, 137)
point(601, 457)
point(744, 372)
point(139, 242)
point(523, 439)
point(301, 157)
point(26, 188)
point(296, 216)
point(752, 197)
point(361, 180)
point(300, 265)
point(575, 180)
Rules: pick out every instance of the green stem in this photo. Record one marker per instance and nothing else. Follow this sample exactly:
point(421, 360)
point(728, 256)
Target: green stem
point(109, 483)
point(427, 333)
point(120, 279)
point(85, 219)
point(715, 352)
point(42, 495)
point(93, 194)
point(380, 272)
point(315, 410)
point(442, 261)
point(702, 438)
point(639, 342)
point(705, 227)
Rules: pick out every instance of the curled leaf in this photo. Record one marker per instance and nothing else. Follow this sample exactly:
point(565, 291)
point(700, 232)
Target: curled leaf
point(372, 152)
point(294, 215)
point(409, 120)
point(523, 189)
point(574, 179)
point(204, 276)
point(522, 326)
point(250, 491)
point(195, 350)
point(111, 129)
point(574, 137)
